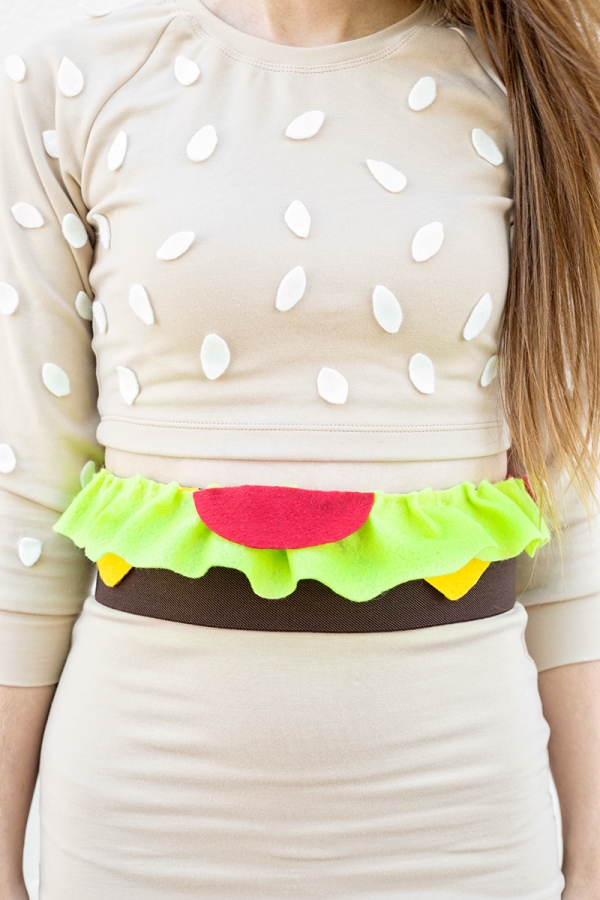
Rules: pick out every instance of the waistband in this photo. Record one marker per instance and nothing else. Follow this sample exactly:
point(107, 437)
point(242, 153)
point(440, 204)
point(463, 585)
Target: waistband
point(358, 544)
point(223, 598)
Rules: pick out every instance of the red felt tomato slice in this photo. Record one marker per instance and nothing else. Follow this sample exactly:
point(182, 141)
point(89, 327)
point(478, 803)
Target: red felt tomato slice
point(282, 518)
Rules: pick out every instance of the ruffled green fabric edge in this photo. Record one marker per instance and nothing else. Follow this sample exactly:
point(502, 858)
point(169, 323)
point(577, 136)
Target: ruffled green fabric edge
point(406, 537)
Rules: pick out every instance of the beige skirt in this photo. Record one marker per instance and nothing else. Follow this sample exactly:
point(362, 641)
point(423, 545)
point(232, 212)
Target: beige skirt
point(183, 762)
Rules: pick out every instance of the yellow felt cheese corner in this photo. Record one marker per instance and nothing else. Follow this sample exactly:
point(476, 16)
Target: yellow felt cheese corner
point(457, 584)
point(112, 568)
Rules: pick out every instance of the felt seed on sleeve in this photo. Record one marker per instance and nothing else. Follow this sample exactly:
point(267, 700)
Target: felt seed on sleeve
point(29, 550)
point(74, 231)
point(427, 241)
point(128, 384)
point(8, 460)
point(117, 152)
point(386, 309)
point(26, 215)
point(9, 298)
point(388, 177)
point(332, 386)
point(486, 147)
point(214, 356)
point(479, 318)
point(56, 380)
point(15, 67)
point(291, 289)
point(99, 314)
point(103, 230)
point(186, 71)
point(49, 139)
point(423, 94)
point(306, 125)
point(87, 473)
point(282, 518)
point(70, 78)
point(490, 371)
point(297, 218)
point(422, 373)
point(176, 245)
point(203, 144)
point(139, 302)
point(83, 305)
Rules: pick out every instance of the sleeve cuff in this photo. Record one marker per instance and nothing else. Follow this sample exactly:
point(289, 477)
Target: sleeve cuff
point(33, 648)
point(563, 632)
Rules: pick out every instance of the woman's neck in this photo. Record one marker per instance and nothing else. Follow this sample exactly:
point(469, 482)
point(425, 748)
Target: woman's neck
point(311, 23)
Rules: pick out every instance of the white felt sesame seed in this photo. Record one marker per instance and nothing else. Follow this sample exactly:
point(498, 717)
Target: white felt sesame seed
point(56, 380)
point(140, 303)
point(203, 144)
point(214, 356)
point(27, 215)
point(486, 147)
point(70, 78)
point(186, 71)
point(50, 141)
point(479, 317)
point(74, 231)
point(176, 245)
point(15, 67)
point(128, 384)
point(306, 125)
point(427, 241)
point(422, 373)
point(29, 550)
point(8, 460)
point(423, 94)
point(9, 298)
point(83, 305)
point(117, 152)
point(332, 386)
point(297, 218)
point(386, 309)
point(87, 473)
point(100, 318)
point(291, 289)
point(490, 371)
point(388, 177)
point(103, 230)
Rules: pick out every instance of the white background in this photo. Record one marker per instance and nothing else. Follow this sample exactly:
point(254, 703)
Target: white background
point(20, 20)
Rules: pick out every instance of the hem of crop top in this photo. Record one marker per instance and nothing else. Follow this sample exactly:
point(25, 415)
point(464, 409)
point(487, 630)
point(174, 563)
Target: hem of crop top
point(314, 442)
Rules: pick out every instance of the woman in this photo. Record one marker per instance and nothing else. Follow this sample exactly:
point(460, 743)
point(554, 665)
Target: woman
point(302, 670)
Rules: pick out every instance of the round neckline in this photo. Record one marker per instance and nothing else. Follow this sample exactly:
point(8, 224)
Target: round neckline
point(260, 51)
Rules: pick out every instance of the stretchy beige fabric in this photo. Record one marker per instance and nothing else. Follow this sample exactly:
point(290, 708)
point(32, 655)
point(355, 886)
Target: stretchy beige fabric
point(297, 259)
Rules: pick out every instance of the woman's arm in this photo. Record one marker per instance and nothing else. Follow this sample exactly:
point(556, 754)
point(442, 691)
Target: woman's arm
point(571, 703)
point(23, 713)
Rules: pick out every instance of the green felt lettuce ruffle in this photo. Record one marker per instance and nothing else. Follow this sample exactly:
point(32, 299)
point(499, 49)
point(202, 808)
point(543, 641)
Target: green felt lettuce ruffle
point(406, 537)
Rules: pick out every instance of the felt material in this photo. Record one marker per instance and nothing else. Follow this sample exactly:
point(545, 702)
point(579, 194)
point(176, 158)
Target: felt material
point(297, 218)
point(203, 144)
point(427, 241)
point(70, 79)
point(490, 371)
point(176, 245)
point(112, 568)
point(117, 152)
point(486, 147)
point(186, 71)
point(457, 584)
point(15, 67)
point(407, 536)
point(479, 318)
point(332, 386)
point(388, 177)
point(56, 380)
point(386, 309)
point(421, 372)
point(306, 125)
point(423, 93)
point(282, 518)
